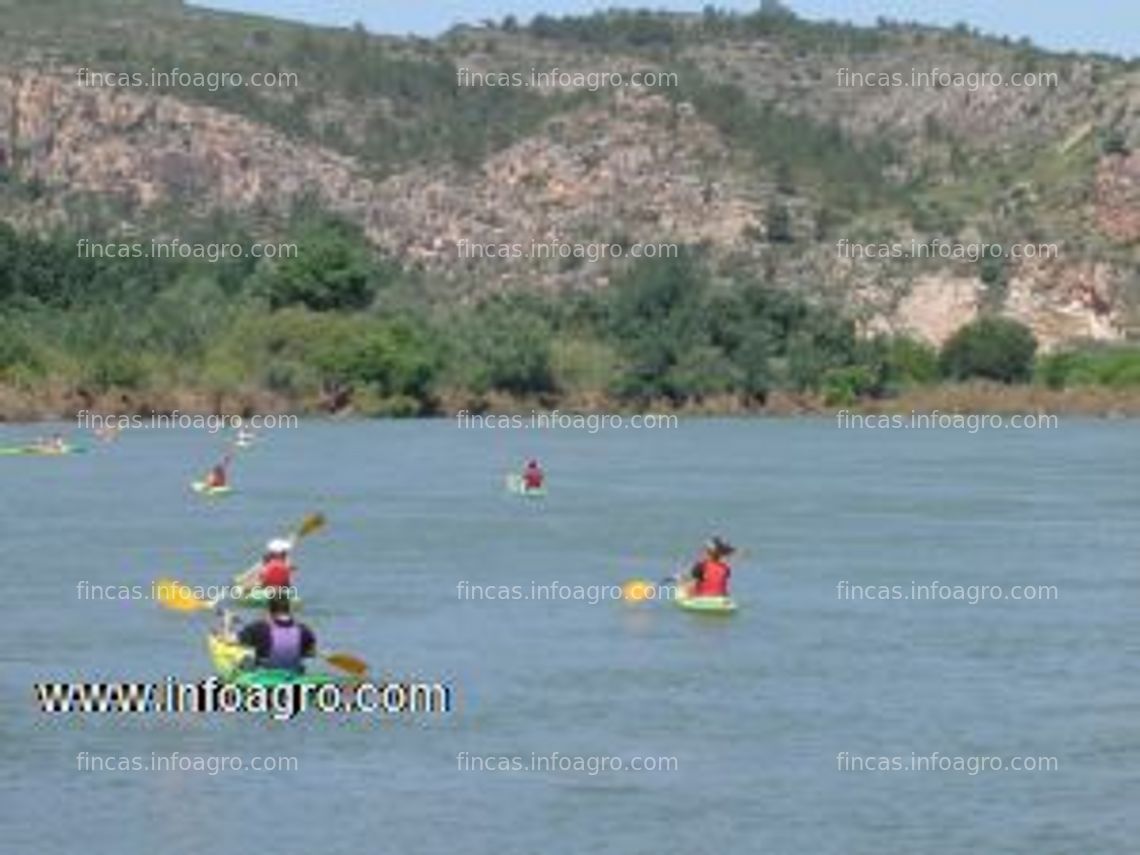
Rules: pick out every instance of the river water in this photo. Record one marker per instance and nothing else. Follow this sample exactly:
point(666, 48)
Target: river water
point(747, 718)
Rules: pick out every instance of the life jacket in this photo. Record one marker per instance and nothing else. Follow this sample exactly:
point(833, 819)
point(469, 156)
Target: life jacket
point(276, 573)
point(284, 646)
point(532, 477)
point(714, 579)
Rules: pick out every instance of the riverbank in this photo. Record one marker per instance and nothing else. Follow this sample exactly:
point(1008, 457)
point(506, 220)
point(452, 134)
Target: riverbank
point(57, 403)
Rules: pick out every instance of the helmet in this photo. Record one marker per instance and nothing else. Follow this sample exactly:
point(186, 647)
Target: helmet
point(278, 546)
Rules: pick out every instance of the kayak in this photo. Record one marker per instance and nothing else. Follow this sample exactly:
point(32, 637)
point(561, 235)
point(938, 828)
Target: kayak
point(704, 605)
point(278, 677)
point(516, 485)
point(40, 451)
point(204, 489)
point(231, 662)
point(258, 598)
point(227, 656)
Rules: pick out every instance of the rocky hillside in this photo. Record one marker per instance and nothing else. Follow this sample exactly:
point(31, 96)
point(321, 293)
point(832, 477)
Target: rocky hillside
point(769, 148)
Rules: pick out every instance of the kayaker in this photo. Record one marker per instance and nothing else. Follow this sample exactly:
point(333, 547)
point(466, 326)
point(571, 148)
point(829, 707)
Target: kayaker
point(53, 445)
point(709, 576)
point(218, 476)
point(276, 569)
point(533, 476)
point(278, 641)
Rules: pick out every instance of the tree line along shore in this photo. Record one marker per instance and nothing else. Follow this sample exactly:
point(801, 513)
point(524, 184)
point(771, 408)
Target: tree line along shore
point(336, 330)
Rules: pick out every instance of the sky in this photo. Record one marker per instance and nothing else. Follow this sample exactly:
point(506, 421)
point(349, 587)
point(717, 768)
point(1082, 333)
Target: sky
point(1108, 26)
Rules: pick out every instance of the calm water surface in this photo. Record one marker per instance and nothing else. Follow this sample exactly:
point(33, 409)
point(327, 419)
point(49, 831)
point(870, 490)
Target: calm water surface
point(755, 709)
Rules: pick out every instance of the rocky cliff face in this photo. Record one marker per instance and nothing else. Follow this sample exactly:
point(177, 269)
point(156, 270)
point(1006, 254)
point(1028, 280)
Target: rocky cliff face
point(637, 166)
point(1118, 197)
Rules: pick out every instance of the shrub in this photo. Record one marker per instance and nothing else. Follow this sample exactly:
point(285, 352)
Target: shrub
point(331, 271)
point(910, 362)
point(992, 348)
point(1116, 367)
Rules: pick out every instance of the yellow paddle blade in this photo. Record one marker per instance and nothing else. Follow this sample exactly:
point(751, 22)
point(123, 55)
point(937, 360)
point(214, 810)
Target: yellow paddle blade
point(348, 663)
point(179, 597)
point(636, 590)
point(311, 523)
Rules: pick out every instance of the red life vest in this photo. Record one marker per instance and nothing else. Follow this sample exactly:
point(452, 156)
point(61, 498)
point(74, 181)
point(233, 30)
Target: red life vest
point(714, 579)
point(276, 573)
point(532, 477)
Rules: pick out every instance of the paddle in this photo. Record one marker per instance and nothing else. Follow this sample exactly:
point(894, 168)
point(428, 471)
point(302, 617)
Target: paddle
point(346, 662)
point(636, 590)
point(180, 597)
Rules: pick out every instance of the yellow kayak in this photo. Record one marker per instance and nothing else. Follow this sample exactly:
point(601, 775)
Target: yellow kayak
point(227, 656)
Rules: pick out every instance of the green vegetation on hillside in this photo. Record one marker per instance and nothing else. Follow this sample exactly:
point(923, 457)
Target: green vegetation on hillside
point(337, 324)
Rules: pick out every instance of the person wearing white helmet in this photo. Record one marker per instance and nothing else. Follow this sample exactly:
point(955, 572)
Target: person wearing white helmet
point(275, 570)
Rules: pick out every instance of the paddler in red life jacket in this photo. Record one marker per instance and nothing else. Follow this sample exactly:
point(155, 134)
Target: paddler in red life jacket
point(533, 476)
point(276, 569)
point(710, 574)
point(278, 641)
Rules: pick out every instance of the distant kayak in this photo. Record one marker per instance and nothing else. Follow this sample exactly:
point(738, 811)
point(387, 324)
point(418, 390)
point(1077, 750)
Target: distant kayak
point(41, 451)
point(232, 662)
point(705, 605)
point(517, 485)
point(204, 489)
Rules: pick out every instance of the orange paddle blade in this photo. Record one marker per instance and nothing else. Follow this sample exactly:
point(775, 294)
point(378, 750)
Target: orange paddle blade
point(179, 597)
point(347, 663)
point(636, 590)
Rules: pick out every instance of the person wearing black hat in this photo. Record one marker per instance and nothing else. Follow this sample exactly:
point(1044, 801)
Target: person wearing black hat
point(710, 575)
point(279, 641)
point(533, 477)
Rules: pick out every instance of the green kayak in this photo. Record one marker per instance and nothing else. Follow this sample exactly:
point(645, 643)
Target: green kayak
point(204, 489)
point(704, 605)
point(259, 598)
point(41, 451)
point(230, 660)
point(276, 677)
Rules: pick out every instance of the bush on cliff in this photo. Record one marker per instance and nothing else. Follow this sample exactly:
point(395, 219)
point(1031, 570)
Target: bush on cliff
point(990, 348)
